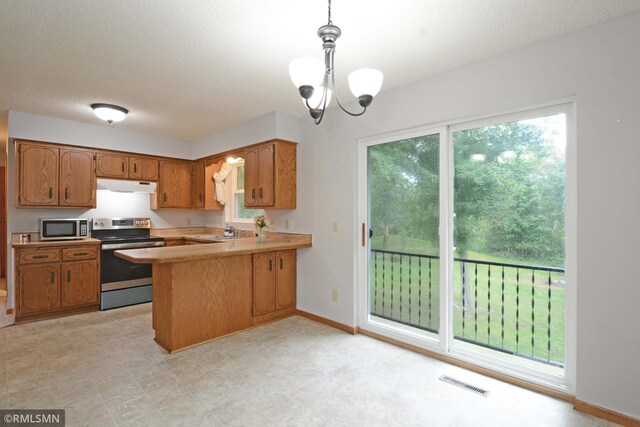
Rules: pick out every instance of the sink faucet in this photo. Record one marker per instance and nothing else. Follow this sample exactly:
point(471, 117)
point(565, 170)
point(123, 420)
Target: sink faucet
point(233, 230)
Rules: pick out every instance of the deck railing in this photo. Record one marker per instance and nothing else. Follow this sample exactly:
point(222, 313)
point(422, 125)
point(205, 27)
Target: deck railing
point(512, 308)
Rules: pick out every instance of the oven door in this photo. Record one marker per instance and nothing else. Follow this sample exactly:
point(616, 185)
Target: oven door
point(118, 273)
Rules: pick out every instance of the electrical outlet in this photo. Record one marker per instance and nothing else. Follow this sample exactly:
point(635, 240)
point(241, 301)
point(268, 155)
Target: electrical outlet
point(188, 221)
point(335, 226)
point(334, 295)
point(289, 225)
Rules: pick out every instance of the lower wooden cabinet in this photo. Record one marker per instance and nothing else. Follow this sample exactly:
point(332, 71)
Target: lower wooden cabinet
point(274, 281)
point(53, 281)
point(39, 288)
point(79, 281)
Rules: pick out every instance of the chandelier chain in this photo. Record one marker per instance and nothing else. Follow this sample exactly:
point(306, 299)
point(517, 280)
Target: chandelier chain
point(330, 13)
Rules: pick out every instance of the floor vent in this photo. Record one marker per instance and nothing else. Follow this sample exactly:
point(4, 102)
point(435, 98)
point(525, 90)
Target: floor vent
point(464, 385)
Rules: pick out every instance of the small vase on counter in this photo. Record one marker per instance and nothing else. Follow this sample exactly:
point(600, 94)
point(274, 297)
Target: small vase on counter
point(262, 225)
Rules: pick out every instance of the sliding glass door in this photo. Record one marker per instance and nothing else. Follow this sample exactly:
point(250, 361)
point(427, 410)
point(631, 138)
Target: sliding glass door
point(464, 235)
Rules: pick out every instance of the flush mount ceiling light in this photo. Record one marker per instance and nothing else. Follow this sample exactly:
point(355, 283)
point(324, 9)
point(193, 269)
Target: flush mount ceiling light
point(310, 73)
point(109, 113)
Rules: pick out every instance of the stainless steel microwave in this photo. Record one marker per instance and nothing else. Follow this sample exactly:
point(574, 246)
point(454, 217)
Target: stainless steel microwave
point(64, 229)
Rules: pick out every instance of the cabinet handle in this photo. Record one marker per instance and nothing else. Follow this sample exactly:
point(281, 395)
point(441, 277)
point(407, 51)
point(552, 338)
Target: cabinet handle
point(260, 193)
point(270, 265)
point(51, 192)
point(135, 168)
point(66, 193)
point(164, 197)
point(253, 193)
point(68, 276)
point(40, 256)
point(200, 197)
point(281, 263)
point(53, 278)
point(80, 253)
point(122, 166)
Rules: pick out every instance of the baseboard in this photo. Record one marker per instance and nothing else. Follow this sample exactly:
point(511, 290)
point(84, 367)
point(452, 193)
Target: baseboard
point(484, 371)
point(606, 414)
point(350, 329)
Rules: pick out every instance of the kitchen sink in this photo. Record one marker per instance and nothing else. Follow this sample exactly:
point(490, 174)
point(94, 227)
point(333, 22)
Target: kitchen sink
point(215, 237)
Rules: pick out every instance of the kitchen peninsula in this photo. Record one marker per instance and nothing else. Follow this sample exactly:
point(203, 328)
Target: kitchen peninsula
point(202, 292)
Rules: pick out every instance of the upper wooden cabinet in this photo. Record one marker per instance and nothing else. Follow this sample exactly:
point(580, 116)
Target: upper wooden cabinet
point(174, 189)
point(143, 168)
point(270, 175)
point(123, 166)
point(198, 184)
point(48, 176)
point(112, 165)
point(77, 178)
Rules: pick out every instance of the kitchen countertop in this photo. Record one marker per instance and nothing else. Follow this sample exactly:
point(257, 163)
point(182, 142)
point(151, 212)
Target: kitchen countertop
point(171, 254)
point(36, 242)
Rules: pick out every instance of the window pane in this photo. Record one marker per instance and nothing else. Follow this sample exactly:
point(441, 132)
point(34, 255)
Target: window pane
point(509, 237)
point(241, 212)
point(240, 178)
point(404, 267)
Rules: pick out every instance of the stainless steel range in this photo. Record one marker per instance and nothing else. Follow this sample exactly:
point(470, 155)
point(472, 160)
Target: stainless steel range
point(122, 282)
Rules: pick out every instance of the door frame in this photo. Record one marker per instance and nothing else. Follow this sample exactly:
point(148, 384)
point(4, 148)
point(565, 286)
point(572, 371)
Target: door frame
point(443, 345)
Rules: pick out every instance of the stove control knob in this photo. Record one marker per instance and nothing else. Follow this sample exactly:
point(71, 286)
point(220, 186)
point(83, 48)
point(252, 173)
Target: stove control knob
point(138, 223)
point(146, 222)
point(101, 223)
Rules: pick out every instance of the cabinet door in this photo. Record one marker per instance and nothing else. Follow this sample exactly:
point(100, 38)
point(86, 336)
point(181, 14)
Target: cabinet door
point(39, 288)
point(77, 178)
point(79, 283)
point(143, 169)
point(198, 184)
point(265, 175)
point(264, 292)
point(175, 185)
point(37, 175)
point(112, 165)
point(251, 178)
point(285, 279)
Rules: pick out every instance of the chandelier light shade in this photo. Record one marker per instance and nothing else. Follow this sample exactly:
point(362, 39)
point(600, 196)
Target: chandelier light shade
point(109, 113)
point(312, 77)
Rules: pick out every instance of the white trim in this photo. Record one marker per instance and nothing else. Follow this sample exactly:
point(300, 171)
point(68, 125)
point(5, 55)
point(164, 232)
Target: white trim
point(445, 346)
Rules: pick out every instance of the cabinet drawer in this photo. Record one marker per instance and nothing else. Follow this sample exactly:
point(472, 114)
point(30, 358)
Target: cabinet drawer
point(86, 252)
point(31, 256)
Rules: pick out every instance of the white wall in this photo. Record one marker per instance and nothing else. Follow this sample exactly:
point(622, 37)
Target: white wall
point(600, 66)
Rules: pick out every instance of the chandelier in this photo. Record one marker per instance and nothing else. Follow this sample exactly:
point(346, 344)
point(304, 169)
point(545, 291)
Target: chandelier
point(312, 77)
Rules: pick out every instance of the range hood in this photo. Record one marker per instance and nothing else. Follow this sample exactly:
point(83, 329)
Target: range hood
point(122, 186)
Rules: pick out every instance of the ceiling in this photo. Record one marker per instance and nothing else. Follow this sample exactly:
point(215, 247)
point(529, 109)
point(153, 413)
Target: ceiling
point(186, 69)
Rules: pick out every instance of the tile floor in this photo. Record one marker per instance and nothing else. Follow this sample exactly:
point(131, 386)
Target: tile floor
point(105, 369)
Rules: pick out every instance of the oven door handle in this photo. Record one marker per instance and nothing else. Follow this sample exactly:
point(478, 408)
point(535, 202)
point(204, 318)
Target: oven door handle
point(132, 245)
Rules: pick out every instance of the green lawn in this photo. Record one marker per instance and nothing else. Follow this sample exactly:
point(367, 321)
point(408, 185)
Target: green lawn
point(406, 288)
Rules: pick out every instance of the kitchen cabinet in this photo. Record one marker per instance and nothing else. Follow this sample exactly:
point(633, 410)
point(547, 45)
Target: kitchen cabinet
point(270, 175)
point(37, 175)
point(274, 281)
point(174, 189)
point(77, 178)
point(56, 280)
point(40, 288)
point(48, 176)
point(143, 168)
point(112, 165)
point(122, 166)
point(198, 184)
point(79, 283)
